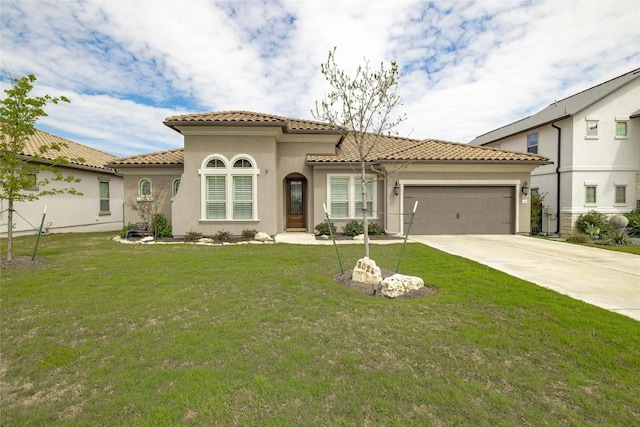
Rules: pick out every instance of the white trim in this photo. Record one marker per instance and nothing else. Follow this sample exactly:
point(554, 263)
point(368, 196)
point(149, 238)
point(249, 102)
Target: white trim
point(229, 172)
point(352, 194)
point(516, 183)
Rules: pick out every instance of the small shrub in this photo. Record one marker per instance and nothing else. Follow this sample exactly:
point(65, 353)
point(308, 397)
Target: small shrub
point(161, 227)
point(223, 236)
point(353, 228)
point(634, 223)
point(323, 229)
point(580, 239)
point(249, 234)
point(593, 231)
point(594, 218)
point(617, 237)
point(375, 229)
point(192, 236)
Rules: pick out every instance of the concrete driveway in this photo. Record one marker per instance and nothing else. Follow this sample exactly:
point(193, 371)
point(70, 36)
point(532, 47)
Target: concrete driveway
point(607, 279)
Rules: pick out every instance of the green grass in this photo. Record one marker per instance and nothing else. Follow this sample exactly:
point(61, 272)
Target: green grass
point(635, 249)
point(112, 334)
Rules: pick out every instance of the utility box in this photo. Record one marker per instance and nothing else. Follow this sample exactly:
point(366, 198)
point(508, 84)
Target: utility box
point(547, 210)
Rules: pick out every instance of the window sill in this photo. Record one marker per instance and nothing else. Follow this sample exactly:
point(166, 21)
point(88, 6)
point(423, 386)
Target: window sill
point(620, 137)
point(591, 137)
point(145, 199)
point(104, 213)
point(620, 205)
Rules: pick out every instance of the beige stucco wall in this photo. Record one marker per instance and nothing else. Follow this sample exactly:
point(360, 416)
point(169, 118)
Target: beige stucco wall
point(276, 155)
point(161, 184)
point(430, 174)
point(68, 213)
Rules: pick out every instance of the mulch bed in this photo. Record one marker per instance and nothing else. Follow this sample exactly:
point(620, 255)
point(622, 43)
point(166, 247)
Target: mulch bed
point(345, 280)
point(22, 261)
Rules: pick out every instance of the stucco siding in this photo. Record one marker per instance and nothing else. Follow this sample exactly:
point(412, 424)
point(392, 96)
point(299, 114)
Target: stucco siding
point(69, 213)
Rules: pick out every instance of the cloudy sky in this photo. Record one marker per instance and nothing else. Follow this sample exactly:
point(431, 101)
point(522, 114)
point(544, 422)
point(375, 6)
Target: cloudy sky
point(467, 67)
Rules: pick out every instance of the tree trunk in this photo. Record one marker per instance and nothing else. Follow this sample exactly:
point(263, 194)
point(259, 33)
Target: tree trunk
point(365, 217)
point(10, 231)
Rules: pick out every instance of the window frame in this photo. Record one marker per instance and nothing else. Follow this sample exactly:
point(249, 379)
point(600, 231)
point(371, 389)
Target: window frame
point(616, 187)
point(353, 195)
point(247, 168)
point(531, 147)
point(101, 199)
point(621, 120)
point(175, 187)
point(591, 131)
point(142, 196)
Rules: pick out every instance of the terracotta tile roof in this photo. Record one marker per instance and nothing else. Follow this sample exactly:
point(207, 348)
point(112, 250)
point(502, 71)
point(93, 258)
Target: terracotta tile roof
point(245, 118)
point(92, 158)
point(390, 148)
point(168, 157)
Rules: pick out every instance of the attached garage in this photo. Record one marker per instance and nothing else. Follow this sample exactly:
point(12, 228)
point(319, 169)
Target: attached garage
point(461, 209)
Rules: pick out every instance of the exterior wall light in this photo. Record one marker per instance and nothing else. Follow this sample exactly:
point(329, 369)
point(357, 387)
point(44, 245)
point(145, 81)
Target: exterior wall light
point(396, 189)
point(525, 188)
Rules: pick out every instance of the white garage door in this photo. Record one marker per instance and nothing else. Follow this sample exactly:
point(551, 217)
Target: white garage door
point(460, 210)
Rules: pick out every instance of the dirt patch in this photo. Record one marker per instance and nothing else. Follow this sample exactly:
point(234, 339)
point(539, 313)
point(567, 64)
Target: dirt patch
point(345, 280)
point(22, 261)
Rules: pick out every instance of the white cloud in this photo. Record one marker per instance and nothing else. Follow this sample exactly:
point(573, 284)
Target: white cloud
point(468, 67)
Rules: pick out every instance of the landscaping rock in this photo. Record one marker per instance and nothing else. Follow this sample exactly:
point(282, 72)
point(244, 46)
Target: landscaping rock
point(399, 284)
point(148, 239)
point(205, 240)
point(619, 221)
point(359, 237)
point(366, 271)
point(263, 237)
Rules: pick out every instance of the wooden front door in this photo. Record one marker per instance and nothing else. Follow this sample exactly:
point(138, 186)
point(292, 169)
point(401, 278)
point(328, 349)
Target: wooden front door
point(295, 204)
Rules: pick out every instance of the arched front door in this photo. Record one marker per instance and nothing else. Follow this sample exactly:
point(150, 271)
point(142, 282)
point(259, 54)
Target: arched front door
point(296, 202)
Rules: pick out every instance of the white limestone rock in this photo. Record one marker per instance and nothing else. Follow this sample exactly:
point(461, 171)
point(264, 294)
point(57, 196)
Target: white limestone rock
point(148, 239)
point(399, 284)
point(263, 237)
point(366, 271)
point(359, 237)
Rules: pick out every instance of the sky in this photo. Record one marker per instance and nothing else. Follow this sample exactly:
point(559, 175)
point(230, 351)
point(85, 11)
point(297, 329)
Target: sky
point(466, 67)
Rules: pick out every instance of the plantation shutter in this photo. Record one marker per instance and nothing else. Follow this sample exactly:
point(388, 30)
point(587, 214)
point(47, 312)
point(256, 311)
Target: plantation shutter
point(216, 197)
point(242, 197)
point(358, 198)
point(340, 197)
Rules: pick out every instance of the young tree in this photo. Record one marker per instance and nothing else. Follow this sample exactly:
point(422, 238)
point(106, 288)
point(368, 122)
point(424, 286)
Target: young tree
point(18, 171)
point(361, 106)
point(148, 207)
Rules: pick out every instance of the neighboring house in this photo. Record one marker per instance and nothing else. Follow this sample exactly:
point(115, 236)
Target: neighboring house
point(242, 170)
point(593, 138)
point(100, 208)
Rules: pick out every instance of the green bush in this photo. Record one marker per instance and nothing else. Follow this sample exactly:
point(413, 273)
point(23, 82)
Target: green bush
point(323, 229)
point(123, 232)
point(353, 228)
point(249, 234)
point(160, 226)
point(223, 236)
point(617, 237)
point(192, 236)
point(596, 219)
point(375, 229)
point(634, 223)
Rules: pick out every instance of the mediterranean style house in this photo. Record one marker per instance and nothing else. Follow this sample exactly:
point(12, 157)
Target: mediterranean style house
point(593, 139)
point(98, 209)
point(242, 170)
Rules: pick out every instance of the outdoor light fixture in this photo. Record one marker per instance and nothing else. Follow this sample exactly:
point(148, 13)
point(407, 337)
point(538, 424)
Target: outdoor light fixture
point(525, 188)
point(396, 189)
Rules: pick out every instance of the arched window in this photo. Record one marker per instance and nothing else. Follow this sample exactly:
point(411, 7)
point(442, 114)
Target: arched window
point(144, 188)
point(229, 193)
point(174, 187)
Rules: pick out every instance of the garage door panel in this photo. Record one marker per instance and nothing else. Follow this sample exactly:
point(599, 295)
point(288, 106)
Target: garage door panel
point(461, 210)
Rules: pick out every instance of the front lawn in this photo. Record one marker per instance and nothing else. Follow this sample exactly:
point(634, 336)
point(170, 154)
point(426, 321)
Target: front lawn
point(253, 335)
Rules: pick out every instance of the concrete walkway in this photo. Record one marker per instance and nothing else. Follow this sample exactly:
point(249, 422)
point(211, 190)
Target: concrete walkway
point(607, 279)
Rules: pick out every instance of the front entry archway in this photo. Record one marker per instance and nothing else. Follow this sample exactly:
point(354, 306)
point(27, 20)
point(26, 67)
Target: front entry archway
point(295, 189)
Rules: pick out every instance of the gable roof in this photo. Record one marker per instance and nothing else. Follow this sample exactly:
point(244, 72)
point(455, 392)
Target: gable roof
point(390, 149)
point(91, 158)
point(560, 109)
point(248, 118)
point(158, 158)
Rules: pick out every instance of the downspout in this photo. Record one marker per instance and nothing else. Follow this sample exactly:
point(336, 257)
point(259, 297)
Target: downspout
point(553, 125)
